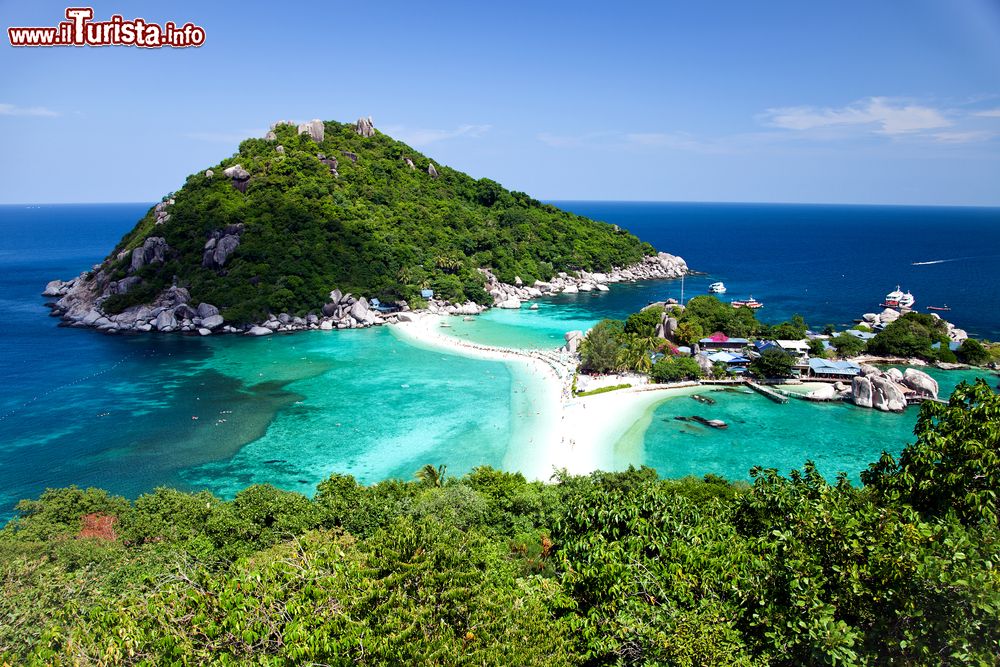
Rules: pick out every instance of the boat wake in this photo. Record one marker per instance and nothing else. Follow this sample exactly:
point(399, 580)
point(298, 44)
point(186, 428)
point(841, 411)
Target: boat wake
point(953, 259)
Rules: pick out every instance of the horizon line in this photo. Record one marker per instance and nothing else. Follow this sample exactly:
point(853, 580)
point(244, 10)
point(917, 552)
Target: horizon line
point(598, 201)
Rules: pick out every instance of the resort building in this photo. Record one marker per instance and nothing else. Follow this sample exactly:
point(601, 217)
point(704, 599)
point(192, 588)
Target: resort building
point(721, 342)
point(797, 348)
point(735, 363)
point(838, 370)
point(860, 335)
point(763, 346)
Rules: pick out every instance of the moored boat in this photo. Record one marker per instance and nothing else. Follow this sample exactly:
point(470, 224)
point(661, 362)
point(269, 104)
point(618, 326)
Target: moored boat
point(897, 299)
point(751, 303)
point(945, 307)
point(717, 288)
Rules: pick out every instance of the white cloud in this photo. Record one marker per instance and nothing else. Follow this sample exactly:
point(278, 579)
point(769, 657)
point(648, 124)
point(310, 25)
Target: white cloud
point(14, 110)
point(879, 114)
point(963, 137)
point(423, 137)
point(989, 113)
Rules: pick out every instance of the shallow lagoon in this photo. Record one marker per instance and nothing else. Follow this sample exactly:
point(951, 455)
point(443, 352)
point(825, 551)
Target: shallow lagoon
point(116, 412)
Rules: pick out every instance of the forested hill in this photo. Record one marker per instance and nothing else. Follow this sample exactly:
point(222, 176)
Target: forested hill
point(326, 205)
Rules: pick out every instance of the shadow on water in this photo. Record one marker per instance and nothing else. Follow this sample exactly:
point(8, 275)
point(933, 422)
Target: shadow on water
point(151, 408)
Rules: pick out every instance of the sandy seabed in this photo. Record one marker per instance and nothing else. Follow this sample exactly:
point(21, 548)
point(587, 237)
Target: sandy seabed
point(553, 431)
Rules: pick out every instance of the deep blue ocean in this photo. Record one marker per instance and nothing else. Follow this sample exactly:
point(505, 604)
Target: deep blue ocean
point(831, 264)
point(78, 407)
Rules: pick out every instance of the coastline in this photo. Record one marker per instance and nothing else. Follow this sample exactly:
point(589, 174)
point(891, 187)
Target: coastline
point(552, 429)
point(80, 301)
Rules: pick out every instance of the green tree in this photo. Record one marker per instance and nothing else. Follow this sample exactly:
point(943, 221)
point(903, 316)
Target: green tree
point(599, 348)
point(912, 335)
point(772, 363)
point(954, 466)
point(973, 352)
point(847, 345)
point(635, 353)
point(793, 329)
point(675, 369)
point(689, 332)
point(431, 476)
point(644, 322)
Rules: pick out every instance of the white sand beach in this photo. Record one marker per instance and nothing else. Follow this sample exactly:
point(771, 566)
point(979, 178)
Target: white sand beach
point(552, 429)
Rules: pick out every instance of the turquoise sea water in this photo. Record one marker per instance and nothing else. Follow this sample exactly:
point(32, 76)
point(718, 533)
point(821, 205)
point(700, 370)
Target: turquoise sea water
point(83, 408)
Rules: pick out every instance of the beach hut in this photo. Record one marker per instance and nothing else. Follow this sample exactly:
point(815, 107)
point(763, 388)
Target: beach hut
point(427, 293)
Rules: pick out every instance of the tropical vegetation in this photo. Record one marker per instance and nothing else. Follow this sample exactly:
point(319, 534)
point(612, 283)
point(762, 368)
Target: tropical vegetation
point(489, 569)
point(373, 225)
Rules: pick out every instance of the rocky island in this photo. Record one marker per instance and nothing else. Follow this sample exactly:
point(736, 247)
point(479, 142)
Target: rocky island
point(326, 225)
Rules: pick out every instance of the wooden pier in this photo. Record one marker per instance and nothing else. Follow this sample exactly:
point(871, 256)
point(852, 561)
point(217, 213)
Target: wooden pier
point(767, 392)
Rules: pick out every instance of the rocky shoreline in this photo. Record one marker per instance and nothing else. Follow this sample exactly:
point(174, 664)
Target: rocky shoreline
point(80, 299)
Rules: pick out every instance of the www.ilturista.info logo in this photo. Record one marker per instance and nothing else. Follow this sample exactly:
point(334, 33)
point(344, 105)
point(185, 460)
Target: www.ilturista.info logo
point(80, 30)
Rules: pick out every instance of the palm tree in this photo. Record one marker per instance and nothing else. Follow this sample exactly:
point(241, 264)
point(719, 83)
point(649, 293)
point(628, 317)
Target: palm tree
point(431, 476)
point(634, 354)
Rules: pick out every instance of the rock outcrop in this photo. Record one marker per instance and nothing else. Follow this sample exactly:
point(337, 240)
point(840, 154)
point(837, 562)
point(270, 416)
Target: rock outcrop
point(314, 129)
point(861, 391)
point(889, 315)
point(887, 396)
point(160, 211)
point(660, 266)
point(920, 382)
point(890, 390)
point(220, 245)
point(152, 251)
point(239, 176)
point(432, 170)
point(573, 340)
point(365, 127)
point(667, 328)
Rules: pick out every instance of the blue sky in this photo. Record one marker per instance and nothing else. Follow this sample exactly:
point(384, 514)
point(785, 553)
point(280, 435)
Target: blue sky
point(893, 102)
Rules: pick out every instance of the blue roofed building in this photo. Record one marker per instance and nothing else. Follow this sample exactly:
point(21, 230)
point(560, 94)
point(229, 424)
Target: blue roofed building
point(860, 335)
point(840, 370)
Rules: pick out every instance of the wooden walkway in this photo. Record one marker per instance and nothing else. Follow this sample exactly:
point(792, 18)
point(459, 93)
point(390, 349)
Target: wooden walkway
point(768, 392)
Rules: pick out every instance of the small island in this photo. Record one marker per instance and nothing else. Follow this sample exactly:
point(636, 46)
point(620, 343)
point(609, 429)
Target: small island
point(328, 225)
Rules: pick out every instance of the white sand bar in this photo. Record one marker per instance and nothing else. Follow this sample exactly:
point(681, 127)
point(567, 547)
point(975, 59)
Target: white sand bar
point(551, 429)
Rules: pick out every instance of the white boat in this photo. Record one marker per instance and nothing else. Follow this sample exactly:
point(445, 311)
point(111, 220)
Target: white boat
point(897, 299)
point(751, 303)
point(717, 288)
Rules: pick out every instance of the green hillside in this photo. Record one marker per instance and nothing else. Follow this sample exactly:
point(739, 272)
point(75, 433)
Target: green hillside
point(315, 218)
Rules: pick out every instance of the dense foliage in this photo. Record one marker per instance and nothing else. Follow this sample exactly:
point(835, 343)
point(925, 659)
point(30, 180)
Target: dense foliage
point(971, 351)
point(674, 369)
point(599, 351)
point(772, 363)
point(611, 568)
point(912, 335)
point(379, 228)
